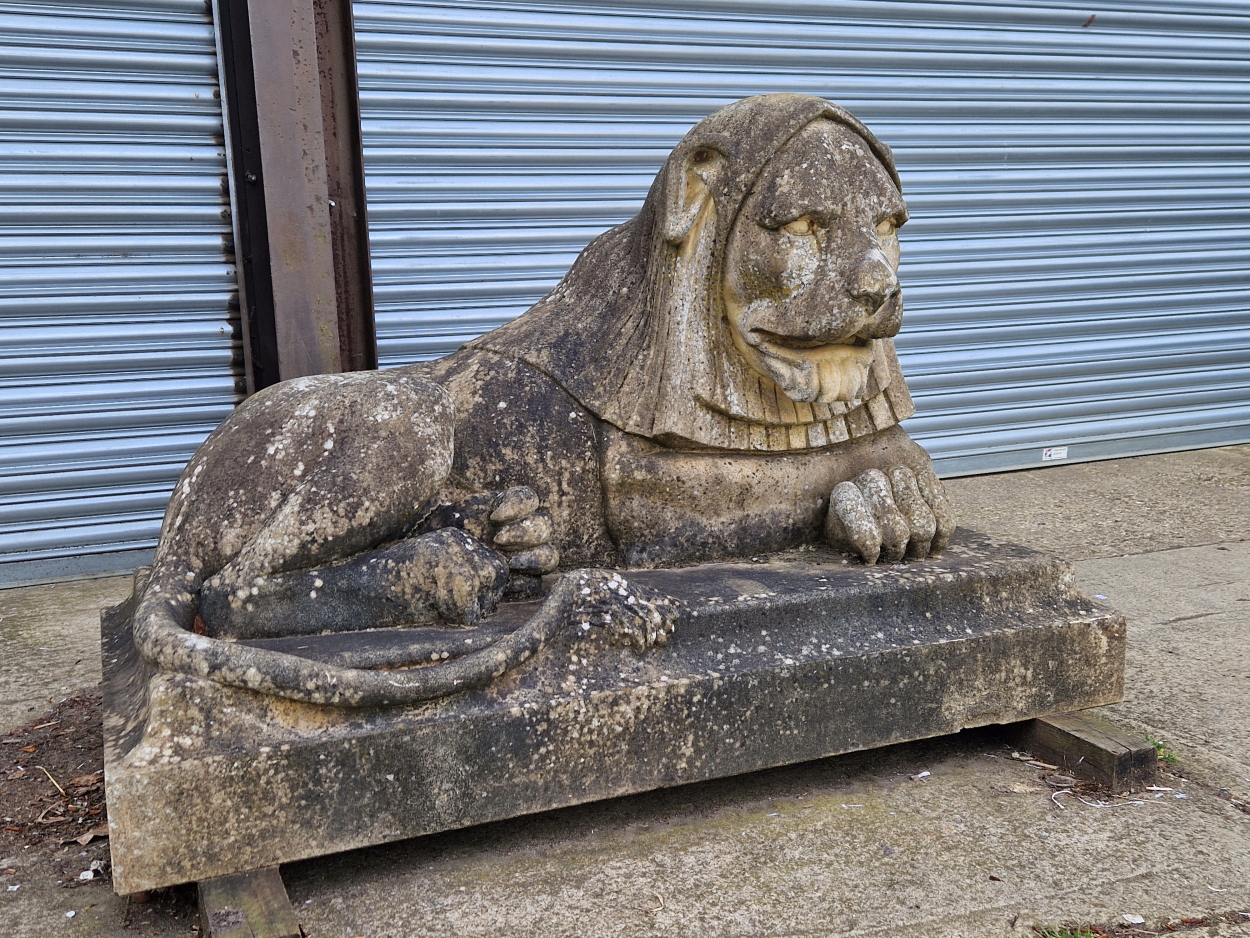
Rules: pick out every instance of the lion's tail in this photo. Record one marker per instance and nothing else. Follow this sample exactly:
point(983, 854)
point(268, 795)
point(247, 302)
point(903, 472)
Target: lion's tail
point(163, 632)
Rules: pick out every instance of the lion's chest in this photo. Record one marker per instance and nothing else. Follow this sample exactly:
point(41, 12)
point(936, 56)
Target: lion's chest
point(666, 506)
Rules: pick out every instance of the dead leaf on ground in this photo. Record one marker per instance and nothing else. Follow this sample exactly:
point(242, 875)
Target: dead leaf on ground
point(44, 819)
point(1061, 781)
point(88, 836)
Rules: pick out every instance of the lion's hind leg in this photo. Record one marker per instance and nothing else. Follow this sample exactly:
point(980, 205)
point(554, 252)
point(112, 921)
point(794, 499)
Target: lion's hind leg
point(318, 480)
point(445, 576)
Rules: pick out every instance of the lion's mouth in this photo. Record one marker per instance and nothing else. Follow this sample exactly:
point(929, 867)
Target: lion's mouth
point(777, 344)
point(812, 372)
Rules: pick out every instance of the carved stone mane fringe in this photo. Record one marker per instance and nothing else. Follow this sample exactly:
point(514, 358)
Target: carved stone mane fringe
point(788, 426)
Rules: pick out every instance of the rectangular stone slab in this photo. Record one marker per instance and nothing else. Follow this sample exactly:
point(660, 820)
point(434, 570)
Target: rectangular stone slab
point(798, 657)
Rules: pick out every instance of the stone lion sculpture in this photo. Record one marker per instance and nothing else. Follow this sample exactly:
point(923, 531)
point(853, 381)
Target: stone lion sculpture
point(714, 378)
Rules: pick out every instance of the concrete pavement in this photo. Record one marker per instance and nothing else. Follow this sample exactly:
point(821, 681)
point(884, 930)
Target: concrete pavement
point(50, 643)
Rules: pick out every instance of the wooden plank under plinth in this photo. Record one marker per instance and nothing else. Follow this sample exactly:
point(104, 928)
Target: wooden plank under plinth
point(247, 905)
point(1086, 745)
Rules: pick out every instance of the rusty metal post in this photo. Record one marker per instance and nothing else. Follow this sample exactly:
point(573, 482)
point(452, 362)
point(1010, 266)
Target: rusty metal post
point(345, 175)
point(247, 196)
point(292, 148)
point(298, 176)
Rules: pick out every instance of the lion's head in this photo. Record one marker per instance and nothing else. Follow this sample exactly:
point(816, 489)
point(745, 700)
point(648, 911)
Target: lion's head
point(750, 304)
point(809, 272)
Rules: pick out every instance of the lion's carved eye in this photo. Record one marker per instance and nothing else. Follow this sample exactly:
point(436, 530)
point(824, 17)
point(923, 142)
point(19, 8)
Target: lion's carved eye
point(886, 228)
point(801, 226)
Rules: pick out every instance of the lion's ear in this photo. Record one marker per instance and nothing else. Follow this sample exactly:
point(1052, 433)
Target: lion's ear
point(690, 190)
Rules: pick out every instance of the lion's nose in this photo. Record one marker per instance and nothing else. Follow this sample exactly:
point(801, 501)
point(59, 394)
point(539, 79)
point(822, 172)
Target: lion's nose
point(873, 282)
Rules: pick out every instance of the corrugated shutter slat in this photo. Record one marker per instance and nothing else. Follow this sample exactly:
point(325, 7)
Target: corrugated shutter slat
point(117, 290)
point(1074, 267)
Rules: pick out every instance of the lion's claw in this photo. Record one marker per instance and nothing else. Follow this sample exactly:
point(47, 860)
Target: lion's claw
point(533, 530)
point(465, 577)
point(919, 517)
point(514, 504)
point(535, 561)
point(524, 532)
point(890, 515)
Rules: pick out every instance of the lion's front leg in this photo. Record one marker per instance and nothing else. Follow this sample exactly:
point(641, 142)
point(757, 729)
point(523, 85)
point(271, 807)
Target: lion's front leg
point(512, 521)
point(890, 514)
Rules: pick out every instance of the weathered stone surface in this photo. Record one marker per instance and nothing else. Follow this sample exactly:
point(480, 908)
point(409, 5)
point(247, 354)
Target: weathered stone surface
point(713, 379)
point(444, 576)
point(759, 274)
point(716, 378)
point(799, 657)
point(706, 373)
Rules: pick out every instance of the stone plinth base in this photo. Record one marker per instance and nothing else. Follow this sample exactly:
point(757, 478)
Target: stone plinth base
point(796, 658)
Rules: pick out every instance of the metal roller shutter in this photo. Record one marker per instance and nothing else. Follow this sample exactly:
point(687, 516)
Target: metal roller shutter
point(117, 327)
point(1074, 270)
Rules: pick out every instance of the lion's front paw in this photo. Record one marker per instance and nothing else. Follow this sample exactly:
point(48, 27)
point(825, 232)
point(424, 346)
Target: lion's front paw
point(525, 532)
point(889, 516)
point(633, 615)
point(462, 577)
